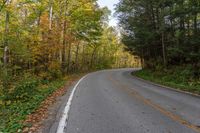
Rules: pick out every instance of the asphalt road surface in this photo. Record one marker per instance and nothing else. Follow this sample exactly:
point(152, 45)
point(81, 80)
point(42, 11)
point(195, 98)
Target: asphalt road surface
point(113, 101)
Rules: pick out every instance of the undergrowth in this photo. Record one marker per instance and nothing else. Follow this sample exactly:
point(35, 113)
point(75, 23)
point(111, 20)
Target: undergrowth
point(178, 77)
point(23, 99)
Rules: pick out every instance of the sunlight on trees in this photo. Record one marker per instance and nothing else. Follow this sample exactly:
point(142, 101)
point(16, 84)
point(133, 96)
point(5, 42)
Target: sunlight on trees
point(51, 38)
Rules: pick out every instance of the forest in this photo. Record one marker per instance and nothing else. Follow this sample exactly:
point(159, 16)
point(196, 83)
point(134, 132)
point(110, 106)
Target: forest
point(42, 41)
point(166, 35)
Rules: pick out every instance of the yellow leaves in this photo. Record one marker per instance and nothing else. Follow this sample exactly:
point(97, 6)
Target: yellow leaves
point(44, 21)
point(54, 65)
point(89, 7)
point(77, 22)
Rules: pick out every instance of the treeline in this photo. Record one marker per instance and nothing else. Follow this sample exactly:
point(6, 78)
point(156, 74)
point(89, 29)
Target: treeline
point(164, 33)
point(47, 39)
point(43, 43)
point(54, 37)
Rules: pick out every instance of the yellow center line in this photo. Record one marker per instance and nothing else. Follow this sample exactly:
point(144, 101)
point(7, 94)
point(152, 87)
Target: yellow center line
point(155, 106)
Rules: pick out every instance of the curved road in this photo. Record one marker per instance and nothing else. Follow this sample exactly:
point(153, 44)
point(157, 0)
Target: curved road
point(113, 101)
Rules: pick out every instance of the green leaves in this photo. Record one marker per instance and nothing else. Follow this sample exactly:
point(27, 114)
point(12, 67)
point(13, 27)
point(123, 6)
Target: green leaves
point(24, 90)
point(160, 30)
point(46, 43)
point(177, 77)
point(12, 115)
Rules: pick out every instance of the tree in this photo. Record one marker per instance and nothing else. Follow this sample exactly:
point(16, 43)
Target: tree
point(161, 32)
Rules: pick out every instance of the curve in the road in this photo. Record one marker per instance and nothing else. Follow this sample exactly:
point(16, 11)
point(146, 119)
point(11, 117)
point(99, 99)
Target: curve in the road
point(155, 106)
point(113, 101)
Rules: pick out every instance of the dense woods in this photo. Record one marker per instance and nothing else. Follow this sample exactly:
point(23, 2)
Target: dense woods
point(50, 38)
point(44, 40)
point(164, 33)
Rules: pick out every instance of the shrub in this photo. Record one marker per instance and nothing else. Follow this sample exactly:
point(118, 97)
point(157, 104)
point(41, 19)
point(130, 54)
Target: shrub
point(24, 90)
point(54, 69)
point(45, 76)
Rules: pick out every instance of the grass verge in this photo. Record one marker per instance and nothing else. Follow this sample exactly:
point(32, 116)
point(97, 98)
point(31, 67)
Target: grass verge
point(177, 78)
point(12, 116)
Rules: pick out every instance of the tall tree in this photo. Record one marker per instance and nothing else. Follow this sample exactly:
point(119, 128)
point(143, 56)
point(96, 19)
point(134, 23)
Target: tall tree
point(161, 32)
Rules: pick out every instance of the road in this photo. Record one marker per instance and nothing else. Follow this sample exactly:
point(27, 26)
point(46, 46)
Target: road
point(113, 101)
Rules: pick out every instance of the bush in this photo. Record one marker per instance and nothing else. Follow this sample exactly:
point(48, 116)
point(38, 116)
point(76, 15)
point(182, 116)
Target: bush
point(177, 77)
point(44, 76)
point(55, 70)
point(5, 83)
point(13, 115)
point(24, 90)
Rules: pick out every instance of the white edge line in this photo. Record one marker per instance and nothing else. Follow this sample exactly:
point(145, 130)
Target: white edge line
point(65, 115)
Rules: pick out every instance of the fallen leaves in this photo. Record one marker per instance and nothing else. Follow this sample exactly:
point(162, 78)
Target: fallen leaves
point(34, 121)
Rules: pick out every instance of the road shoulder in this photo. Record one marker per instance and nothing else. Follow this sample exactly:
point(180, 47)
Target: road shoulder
point(46, 118)
point(164, 86)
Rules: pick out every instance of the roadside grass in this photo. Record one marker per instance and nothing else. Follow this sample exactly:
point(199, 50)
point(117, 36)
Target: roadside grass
point(13, 114)
point(178, 78)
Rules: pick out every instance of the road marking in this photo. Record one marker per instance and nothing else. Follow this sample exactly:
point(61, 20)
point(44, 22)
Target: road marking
point(155, 106)
point(65, 115)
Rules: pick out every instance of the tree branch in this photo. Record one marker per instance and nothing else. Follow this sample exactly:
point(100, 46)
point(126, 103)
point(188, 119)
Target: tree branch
point(3, 4)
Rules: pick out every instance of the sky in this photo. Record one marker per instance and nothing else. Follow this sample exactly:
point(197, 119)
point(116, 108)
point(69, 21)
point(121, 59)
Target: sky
point(111, 5)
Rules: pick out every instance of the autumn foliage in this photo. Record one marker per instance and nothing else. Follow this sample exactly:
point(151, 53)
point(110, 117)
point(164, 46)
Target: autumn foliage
point(43, 40)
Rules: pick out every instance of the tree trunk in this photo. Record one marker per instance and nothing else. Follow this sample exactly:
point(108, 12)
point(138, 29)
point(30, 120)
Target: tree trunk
point(195, 23)
point(76, 59)
point(39, 18)
point(69, 58)
point(83, 58)
point(63, 52)
point(50, 13)
point(162, 28)
point(64, 46)
point(188, 27)
point(163, 50)
point(5, 55)
point(92, 58)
